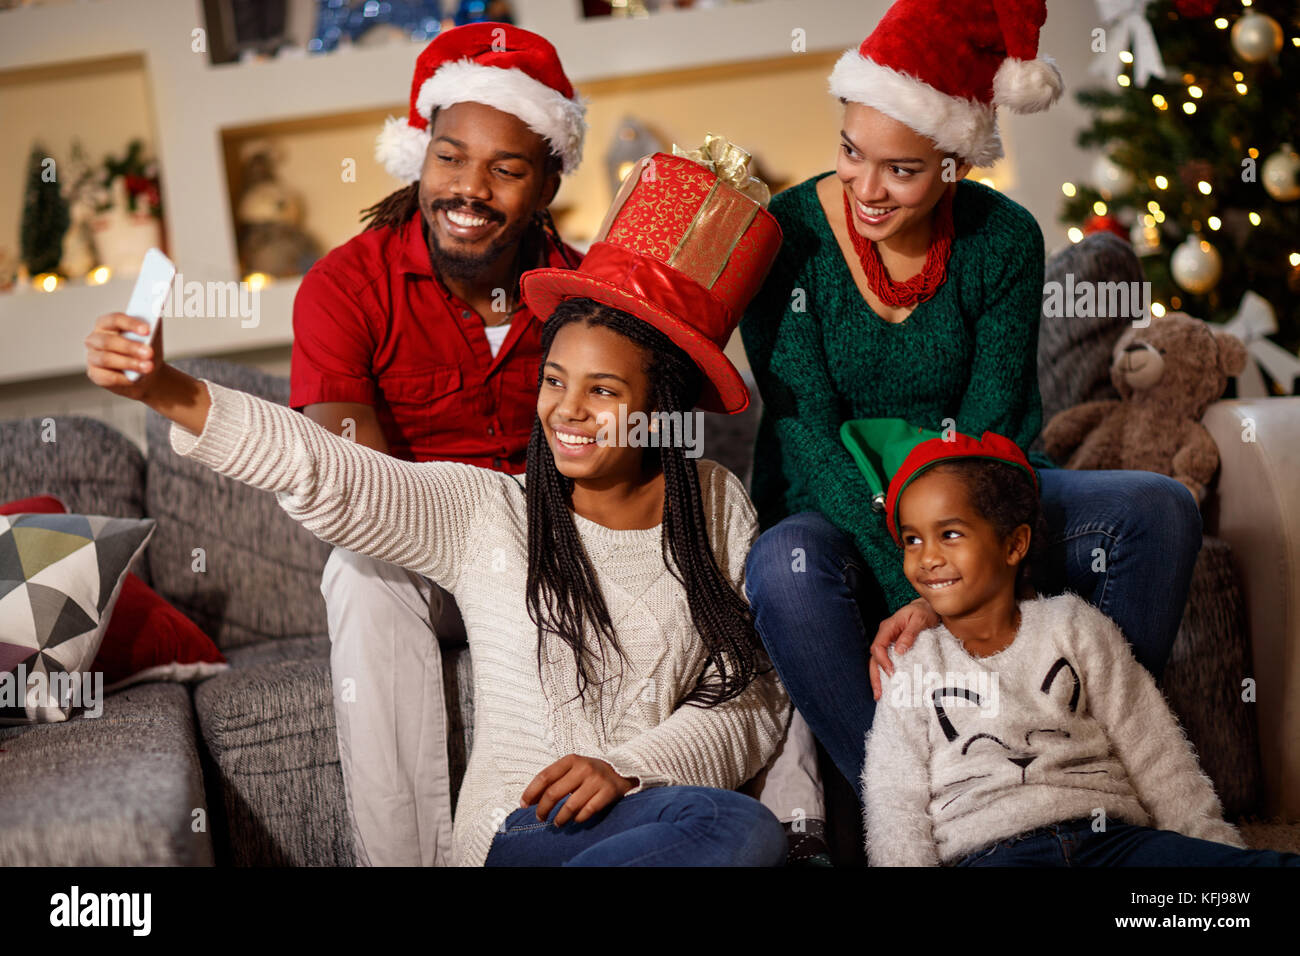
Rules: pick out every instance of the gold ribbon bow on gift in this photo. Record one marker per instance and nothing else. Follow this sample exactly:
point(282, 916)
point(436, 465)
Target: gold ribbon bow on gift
point(730, 164)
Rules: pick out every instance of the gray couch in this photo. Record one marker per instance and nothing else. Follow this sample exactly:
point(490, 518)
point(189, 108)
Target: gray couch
point(252, 752)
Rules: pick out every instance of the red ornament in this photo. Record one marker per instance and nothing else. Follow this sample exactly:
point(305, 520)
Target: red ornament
point(1108, 223)
point(1195, 8)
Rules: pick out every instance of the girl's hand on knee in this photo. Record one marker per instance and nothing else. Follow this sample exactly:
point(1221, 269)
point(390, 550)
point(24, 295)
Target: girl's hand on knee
point(590, 783)
point(903, 627)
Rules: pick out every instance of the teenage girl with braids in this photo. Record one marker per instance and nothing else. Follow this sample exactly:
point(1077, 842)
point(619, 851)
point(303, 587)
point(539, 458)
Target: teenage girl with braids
point(621, 693)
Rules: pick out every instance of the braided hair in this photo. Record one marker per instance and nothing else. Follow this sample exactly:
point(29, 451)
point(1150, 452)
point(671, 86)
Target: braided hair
point(563, 594)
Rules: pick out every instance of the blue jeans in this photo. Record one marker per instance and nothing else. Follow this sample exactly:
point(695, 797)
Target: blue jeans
point(1073, 843)
point(660, 826)
point(1126, 541)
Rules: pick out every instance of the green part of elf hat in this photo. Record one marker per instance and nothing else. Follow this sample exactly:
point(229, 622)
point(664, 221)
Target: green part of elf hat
point(891, 450)
point(879, 446)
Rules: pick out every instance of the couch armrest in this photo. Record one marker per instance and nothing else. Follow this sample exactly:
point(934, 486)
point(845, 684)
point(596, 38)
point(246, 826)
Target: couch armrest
point(1257, 511)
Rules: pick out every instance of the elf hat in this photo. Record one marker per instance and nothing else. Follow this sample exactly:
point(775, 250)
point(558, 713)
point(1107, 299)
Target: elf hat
point(498, 65)
point(935, 451)
point(943, 67)
point(682, 250)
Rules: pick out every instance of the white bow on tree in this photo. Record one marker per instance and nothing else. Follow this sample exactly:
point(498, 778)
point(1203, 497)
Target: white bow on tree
point(1127, 29)
point(1254, 320)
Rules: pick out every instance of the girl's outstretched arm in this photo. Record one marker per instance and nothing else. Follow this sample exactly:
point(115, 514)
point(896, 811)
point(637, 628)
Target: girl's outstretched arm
point(420, 516)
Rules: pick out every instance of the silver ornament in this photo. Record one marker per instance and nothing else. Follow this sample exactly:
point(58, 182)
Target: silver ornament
point(1196, 265)
point(1256, 37)
point(1281, 175)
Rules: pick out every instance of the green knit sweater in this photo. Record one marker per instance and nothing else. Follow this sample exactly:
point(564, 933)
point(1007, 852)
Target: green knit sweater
point(820, 356)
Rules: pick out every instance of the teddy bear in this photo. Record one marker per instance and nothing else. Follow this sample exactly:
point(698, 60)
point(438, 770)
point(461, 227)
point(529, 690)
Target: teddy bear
point(1167, 373)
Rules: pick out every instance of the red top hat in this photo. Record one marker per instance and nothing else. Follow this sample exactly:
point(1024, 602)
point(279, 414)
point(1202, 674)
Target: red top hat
point(682, 250)
point(933, 451)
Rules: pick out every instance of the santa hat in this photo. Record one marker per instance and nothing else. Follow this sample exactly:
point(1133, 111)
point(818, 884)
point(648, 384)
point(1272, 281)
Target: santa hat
point(943, 67)
point(498, 65)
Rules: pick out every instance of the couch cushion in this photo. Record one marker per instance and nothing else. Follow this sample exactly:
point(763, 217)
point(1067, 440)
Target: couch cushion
point(120, 789)
point(91, 467)
point(268, 725)
point(262, 570)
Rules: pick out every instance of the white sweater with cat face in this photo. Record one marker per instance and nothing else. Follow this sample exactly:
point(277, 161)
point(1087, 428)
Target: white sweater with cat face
point(466, 528)
point(1063, 723)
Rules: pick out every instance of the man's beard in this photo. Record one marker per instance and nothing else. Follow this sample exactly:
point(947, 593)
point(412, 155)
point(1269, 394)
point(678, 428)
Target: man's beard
point(454, 264)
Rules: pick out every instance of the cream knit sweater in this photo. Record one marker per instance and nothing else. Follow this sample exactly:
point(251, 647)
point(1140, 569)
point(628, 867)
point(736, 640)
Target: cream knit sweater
point(1069, 725)
point(466, 528)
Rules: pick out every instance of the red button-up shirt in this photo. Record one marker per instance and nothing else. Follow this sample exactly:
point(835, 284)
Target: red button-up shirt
point(373, 323)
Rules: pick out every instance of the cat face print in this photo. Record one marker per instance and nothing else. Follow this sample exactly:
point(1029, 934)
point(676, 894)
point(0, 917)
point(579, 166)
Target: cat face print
point(1039, 741)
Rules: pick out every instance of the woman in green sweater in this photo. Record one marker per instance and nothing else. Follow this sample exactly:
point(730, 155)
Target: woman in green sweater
point(904, 291)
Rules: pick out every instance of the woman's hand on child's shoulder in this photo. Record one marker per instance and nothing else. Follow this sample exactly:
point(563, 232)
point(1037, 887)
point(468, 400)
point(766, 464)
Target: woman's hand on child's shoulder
point(590, 783)
point(903, 627)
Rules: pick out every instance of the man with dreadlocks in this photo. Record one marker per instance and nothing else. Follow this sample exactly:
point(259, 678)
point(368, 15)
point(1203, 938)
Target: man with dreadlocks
point(411, 338)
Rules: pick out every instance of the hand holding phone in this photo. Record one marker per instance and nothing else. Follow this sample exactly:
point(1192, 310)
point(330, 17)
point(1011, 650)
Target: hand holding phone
point(149, 296)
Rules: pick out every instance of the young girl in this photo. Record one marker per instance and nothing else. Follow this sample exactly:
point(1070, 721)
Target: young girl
point(1021, 732)
point(621, 693)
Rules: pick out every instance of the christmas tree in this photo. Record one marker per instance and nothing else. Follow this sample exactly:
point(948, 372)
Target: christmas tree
point(45, 214)
point(1199, 168)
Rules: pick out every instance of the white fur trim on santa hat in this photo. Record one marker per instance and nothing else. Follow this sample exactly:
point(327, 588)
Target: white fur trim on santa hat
point(956, 124)
point(1027, 86)
point(401, 148)
point(546, 111)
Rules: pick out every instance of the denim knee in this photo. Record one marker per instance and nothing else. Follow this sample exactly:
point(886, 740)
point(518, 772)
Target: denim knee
point(1159, 501)
point(764, 841)
point(807, 541)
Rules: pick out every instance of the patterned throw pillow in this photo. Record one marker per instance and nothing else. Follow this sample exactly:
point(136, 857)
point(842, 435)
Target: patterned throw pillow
point(60, 576)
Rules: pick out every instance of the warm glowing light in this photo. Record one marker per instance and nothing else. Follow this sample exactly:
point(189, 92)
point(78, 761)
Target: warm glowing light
point(1204, 187)
point(1160, 217)
point(1068, 189)
point(1238, 75)
point(1125, 56)
point(1295, 41)
point(988, 182)
point(1157, 309)
point(46, 281)
point(1159, 102)
point(1122, 80)
point(1246, 3)
point(1215, 223)
point(257, 281)
point(1099, 208)
point(1148, 220)
point(1241, 88)
point(1196, 92)
point(1075, 233)
point(1189, 108)
point(1221, 23)
point(1294, 258)
point(1162, 183)
point(1153, 206)
point(1254, 219)
point(99, 275)
point(1253, 153)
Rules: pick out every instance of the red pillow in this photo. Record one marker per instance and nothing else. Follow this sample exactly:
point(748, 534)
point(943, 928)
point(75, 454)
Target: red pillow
point(147, 638)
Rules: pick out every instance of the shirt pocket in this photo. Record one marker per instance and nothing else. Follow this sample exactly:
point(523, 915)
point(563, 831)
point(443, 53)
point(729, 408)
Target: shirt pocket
point(425, 403)
point(518, 407)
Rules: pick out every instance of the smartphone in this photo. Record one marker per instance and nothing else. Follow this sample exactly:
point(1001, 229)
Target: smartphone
point(152, 287)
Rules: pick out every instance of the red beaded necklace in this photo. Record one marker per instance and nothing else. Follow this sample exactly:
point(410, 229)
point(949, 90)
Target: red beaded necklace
point(925, 283)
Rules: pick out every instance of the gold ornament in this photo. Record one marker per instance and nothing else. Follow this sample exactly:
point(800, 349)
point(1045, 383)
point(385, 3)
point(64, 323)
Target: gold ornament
point(1196, 265)
point(1280, 174)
